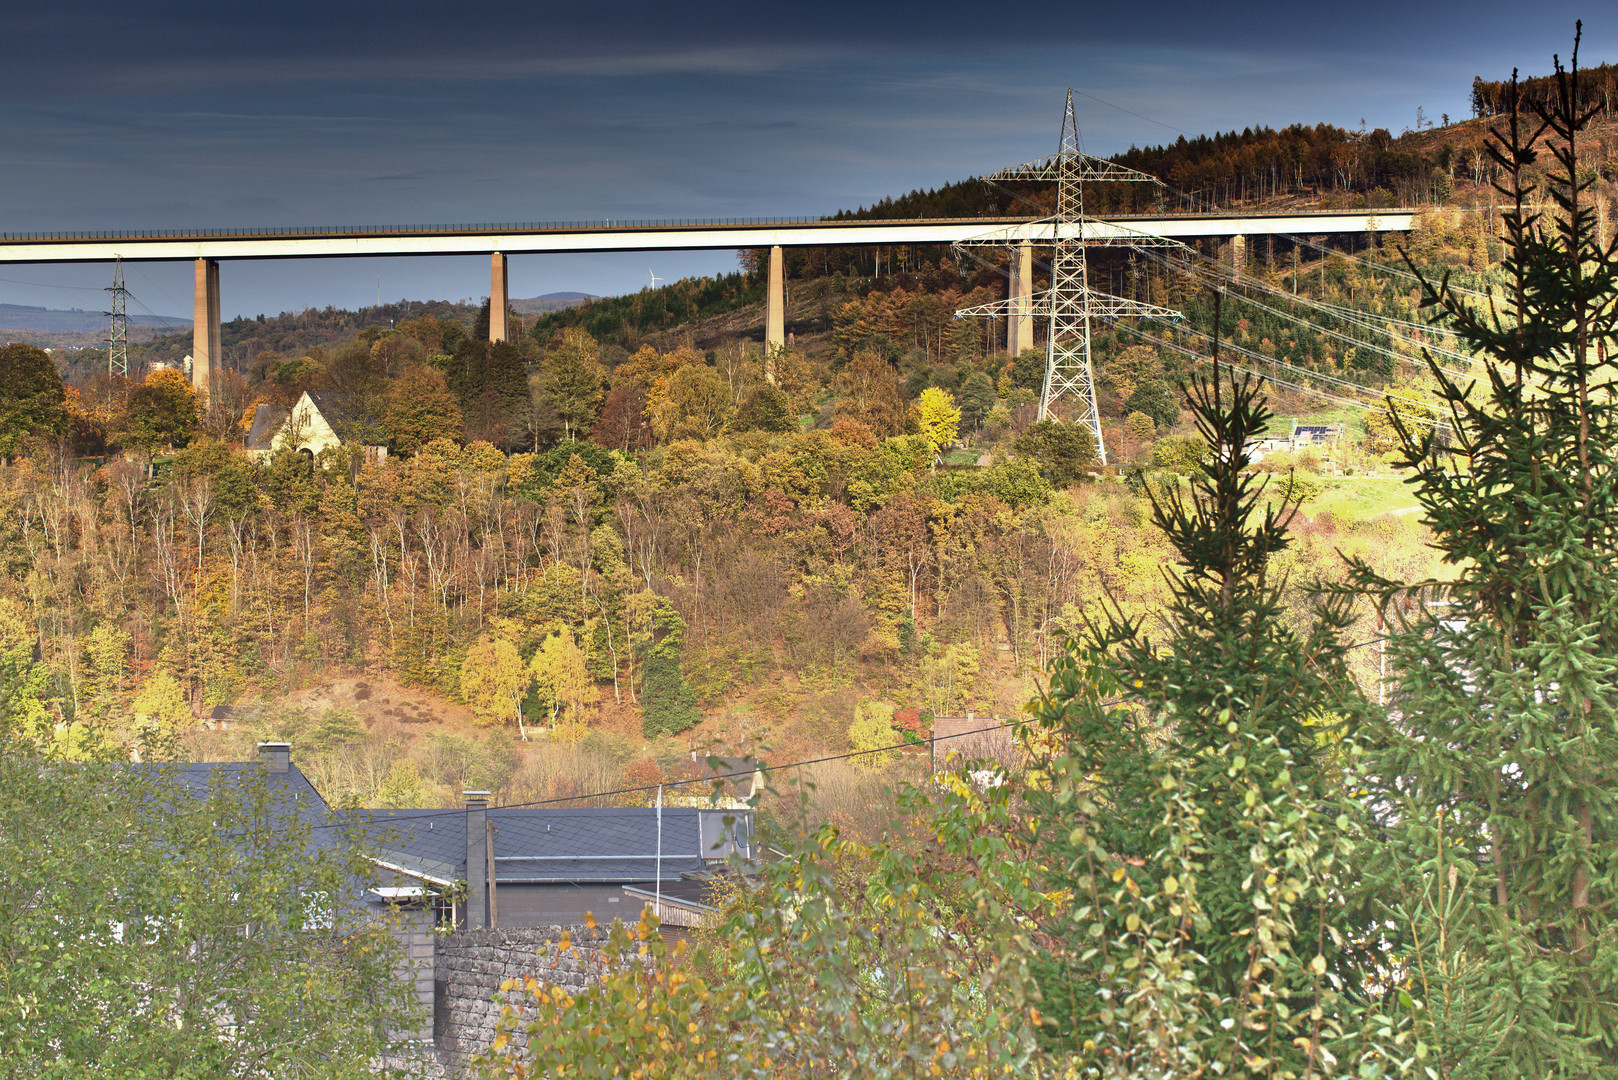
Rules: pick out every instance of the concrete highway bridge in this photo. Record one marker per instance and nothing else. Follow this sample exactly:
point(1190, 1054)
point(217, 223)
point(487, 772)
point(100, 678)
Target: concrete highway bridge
point(207, 248)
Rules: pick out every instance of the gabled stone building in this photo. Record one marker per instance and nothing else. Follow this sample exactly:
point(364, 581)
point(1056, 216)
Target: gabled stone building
point(320, 420)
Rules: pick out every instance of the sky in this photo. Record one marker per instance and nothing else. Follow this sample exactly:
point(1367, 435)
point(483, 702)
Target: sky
point(176, 113)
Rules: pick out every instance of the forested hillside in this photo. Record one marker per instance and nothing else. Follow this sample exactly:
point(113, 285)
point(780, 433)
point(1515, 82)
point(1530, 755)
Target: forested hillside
point(619, 555)
point(623, 534)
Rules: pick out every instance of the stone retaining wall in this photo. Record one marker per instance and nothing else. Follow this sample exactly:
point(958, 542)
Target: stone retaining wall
point(470, 965)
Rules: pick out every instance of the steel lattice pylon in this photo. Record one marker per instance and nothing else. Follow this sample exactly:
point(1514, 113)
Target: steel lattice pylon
point(118, 331)
point(1070, 304)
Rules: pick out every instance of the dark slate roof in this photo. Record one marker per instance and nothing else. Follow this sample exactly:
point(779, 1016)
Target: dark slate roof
point(290, 793)
point(535, 846)
point(267, 420)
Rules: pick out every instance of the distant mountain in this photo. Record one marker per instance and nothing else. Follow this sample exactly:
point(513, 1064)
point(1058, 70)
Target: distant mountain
point(74, 320)
point(551, 301)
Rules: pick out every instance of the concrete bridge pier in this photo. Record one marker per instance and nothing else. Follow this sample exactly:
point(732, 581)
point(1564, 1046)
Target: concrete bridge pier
point(1020, 324)
point(1233, 253)
point(205, 324)
point(499, 298)
point(775, 306)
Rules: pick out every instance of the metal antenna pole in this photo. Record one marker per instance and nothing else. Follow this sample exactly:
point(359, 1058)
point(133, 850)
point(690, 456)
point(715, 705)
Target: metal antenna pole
point(118, 331)
point(657, 901)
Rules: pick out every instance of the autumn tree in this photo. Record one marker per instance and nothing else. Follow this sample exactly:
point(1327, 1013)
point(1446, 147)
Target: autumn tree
point(622, 424)
point(562, 680)
point(160, 708)
point(937, 418)
point(24, 681)
point(871, 733)
point(420, 408)
point(765, 408)
point(1065, 452)
point(697, 404)
point(573, 381)
point(1404, 408)
point(161, 411)
point(494, 680)
point(356, 375)
point(873, 393)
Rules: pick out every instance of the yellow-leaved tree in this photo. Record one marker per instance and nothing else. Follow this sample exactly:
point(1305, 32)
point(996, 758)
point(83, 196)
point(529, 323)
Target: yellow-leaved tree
point(872, 733)
point(563, 682)
point(160, 709)
point(22, 705)
point(937, 418)
point(494, 680)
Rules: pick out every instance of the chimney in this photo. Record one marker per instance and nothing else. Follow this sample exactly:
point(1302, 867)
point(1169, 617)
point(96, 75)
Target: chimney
point(477, 869)
point(276, 756)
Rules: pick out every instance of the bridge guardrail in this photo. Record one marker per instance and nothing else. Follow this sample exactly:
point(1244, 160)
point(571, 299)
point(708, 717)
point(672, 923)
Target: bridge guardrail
point(610, 224)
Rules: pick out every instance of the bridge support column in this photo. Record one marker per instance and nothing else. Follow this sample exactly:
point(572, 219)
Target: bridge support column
point(499, 298)
point(1238, 256)
point(775, 306)
point(1020, 324)
point(205, 324)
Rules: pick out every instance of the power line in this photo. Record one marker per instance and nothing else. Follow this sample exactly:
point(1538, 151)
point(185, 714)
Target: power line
point(646, 789)
point(1228, 277)
point(1136, 115)
point(44, 285)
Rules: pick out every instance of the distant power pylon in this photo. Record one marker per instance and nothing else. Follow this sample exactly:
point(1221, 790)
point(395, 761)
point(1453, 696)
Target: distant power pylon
point(118, 331)
point(1070, 305)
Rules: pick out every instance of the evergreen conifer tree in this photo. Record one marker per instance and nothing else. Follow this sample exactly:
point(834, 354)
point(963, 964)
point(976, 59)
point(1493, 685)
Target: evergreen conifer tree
point(668, 705)
point(1499, 771)
point(1196, 810)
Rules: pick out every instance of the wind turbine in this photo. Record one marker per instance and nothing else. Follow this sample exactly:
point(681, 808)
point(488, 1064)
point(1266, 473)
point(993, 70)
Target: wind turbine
point(655, 278)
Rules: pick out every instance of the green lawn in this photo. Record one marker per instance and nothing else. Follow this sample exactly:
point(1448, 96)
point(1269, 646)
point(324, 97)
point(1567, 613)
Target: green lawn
point(1361, 497)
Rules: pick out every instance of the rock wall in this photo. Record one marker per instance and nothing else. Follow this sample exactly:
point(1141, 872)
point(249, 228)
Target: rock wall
point(470, 965)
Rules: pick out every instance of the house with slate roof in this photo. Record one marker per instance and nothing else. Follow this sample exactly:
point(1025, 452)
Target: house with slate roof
point(550, 866)
point(320, 420)
point(492, 871)
point(289, 791)
point(505, 866)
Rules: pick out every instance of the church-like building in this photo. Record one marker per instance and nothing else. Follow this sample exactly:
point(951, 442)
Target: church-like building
point(319, 421)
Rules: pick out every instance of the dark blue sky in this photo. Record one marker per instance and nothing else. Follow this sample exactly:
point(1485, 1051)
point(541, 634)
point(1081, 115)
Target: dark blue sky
point(158, 115)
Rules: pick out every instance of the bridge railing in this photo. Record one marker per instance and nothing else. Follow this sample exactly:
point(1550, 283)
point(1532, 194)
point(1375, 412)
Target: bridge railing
point(609, 224)
point(410, 230)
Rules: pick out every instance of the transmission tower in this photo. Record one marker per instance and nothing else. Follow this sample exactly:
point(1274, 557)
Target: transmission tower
point(1070, 305)
point(118, 331)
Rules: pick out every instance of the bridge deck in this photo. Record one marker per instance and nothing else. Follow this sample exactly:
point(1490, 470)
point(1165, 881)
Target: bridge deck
point(665, 235)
